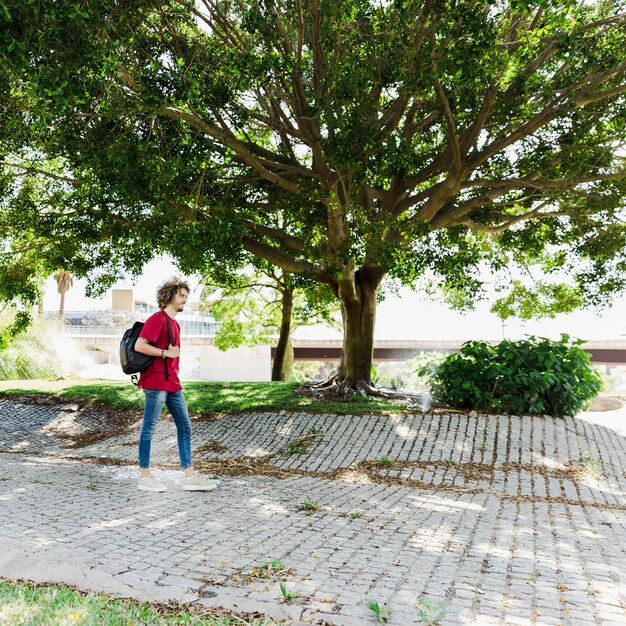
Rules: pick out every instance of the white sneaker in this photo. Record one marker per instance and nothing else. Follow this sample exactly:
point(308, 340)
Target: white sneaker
point(199, 483)
point(147, 483)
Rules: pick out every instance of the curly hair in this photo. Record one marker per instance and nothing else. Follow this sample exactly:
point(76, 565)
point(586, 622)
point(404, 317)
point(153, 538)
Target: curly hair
point(169, 289)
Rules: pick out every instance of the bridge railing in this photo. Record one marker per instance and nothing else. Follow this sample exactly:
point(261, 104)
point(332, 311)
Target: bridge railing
point(115, 331)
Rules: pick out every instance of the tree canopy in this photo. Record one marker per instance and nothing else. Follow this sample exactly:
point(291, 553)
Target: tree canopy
point(400, 138)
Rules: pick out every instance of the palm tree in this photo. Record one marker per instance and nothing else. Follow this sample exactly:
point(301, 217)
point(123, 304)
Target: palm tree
point(41, 283)
point(64, 282)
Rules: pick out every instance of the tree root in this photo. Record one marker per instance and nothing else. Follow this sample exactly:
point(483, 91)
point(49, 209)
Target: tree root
point(325, 384)
point(339, 389)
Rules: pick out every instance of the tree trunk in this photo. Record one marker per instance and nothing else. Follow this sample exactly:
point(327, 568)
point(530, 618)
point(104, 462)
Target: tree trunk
point(62, 306)
point(358, 310)
point(282, 367)
point(287, 371)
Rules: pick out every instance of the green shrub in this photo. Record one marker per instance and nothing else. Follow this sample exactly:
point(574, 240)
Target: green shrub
point(535, 375)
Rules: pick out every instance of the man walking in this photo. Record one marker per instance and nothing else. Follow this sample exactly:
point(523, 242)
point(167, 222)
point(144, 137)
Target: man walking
point(161, 385)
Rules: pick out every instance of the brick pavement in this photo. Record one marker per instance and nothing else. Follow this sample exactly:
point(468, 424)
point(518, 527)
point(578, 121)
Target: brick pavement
point(500, 520)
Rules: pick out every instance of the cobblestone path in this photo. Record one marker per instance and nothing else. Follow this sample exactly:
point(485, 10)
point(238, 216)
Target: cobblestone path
point(486, 519)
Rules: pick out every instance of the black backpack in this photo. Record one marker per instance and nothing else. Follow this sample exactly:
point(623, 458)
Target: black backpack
point(133, 362)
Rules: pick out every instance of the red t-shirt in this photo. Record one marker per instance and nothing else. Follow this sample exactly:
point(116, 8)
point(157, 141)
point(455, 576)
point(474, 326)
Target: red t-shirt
point(155, 331)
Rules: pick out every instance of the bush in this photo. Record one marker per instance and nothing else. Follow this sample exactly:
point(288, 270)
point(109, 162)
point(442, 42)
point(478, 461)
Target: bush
point(529, 376)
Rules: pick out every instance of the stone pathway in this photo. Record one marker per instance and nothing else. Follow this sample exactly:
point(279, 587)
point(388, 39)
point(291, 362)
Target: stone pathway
point(496, 520)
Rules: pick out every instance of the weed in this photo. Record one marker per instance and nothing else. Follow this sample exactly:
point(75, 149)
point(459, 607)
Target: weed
point(267, 571)
point(382, 612)
point(386, 462)
point(295, 448)
point(310, 505)
point(396, 383)
point(316, 430)
point(275, 564)
point(300, 445)
point(3, 478)
point(273, 567)
point(450, 462)
point(534, 574)
point(287, 594)
point(38, 481)
point(591, 464)
point(429, 612)
point(91, 485)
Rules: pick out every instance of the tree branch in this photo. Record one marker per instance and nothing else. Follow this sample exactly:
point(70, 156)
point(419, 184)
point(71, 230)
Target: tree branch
point(520, 183)
point(300, 99)
point(495, 230)
point(471, 134)
point(319, 61)
point(453, 216)
point(511, 46)
point(289, 241)
point(73, 181)
point(450, 123)
point(548, 112)
point(232, 142)
point(583, 99)
point(286, 261)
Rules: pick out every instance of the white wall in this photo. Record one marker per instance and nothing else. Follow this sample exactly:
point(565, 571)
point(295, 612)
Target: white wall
point(200, 360)
point(205, 362)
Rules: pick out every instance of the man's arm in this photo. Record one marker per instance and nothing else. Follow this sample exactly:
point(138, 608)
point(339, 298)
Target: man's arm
point(145, 347)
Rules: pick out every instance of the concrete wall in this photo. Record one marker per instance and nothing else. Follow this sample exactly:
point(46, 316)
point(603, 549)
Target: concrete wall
point(206, 362)
point(200, 359)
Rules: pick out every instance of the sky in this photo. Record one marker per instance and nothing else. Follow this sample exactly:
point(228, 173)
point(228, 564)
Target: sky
point(408, 315)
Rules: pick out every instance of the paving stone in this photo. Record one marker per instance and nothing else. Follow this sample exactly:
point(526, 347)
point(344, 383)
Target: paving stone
point(475, 551)
point(487, 620)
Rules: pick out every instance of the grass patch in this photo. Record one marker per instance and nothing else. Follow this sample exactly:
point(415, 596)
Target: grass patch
point(52, 605)
point(118, 394)
point(205, 399)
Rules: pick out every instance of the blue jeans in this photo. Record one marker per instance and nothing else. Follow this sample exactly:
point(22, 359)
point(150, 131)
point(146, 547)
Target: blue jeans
point(175, 402)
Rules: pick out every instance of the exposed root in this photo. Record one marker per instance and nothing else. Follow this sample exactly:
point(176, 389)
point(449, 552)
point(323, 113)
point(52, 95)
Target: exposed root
point(325, 384)
point(344, 389)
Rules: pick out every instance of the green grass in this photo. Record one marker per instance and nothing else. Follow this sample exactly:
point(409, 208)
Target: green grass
point(204, 398)
point(57, 605)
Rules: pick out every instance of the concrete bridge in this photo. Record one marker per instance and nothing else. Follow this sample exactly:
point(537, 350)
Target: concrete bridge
point(104, 347)
point(602, 352)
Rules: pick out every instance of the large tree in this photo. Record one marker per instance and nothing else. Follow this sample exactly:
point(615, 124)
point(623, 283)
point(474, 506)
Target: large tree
point(413, 136)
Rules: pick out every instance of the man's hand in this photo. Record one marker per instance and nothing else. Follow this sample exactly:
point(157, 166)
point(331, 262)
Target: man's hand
point(173, 352)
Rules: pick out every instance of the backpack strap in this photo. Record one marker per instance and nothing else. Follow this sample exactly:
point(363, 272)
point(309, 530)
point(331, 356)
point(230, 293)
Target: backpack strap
point(171, 336)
